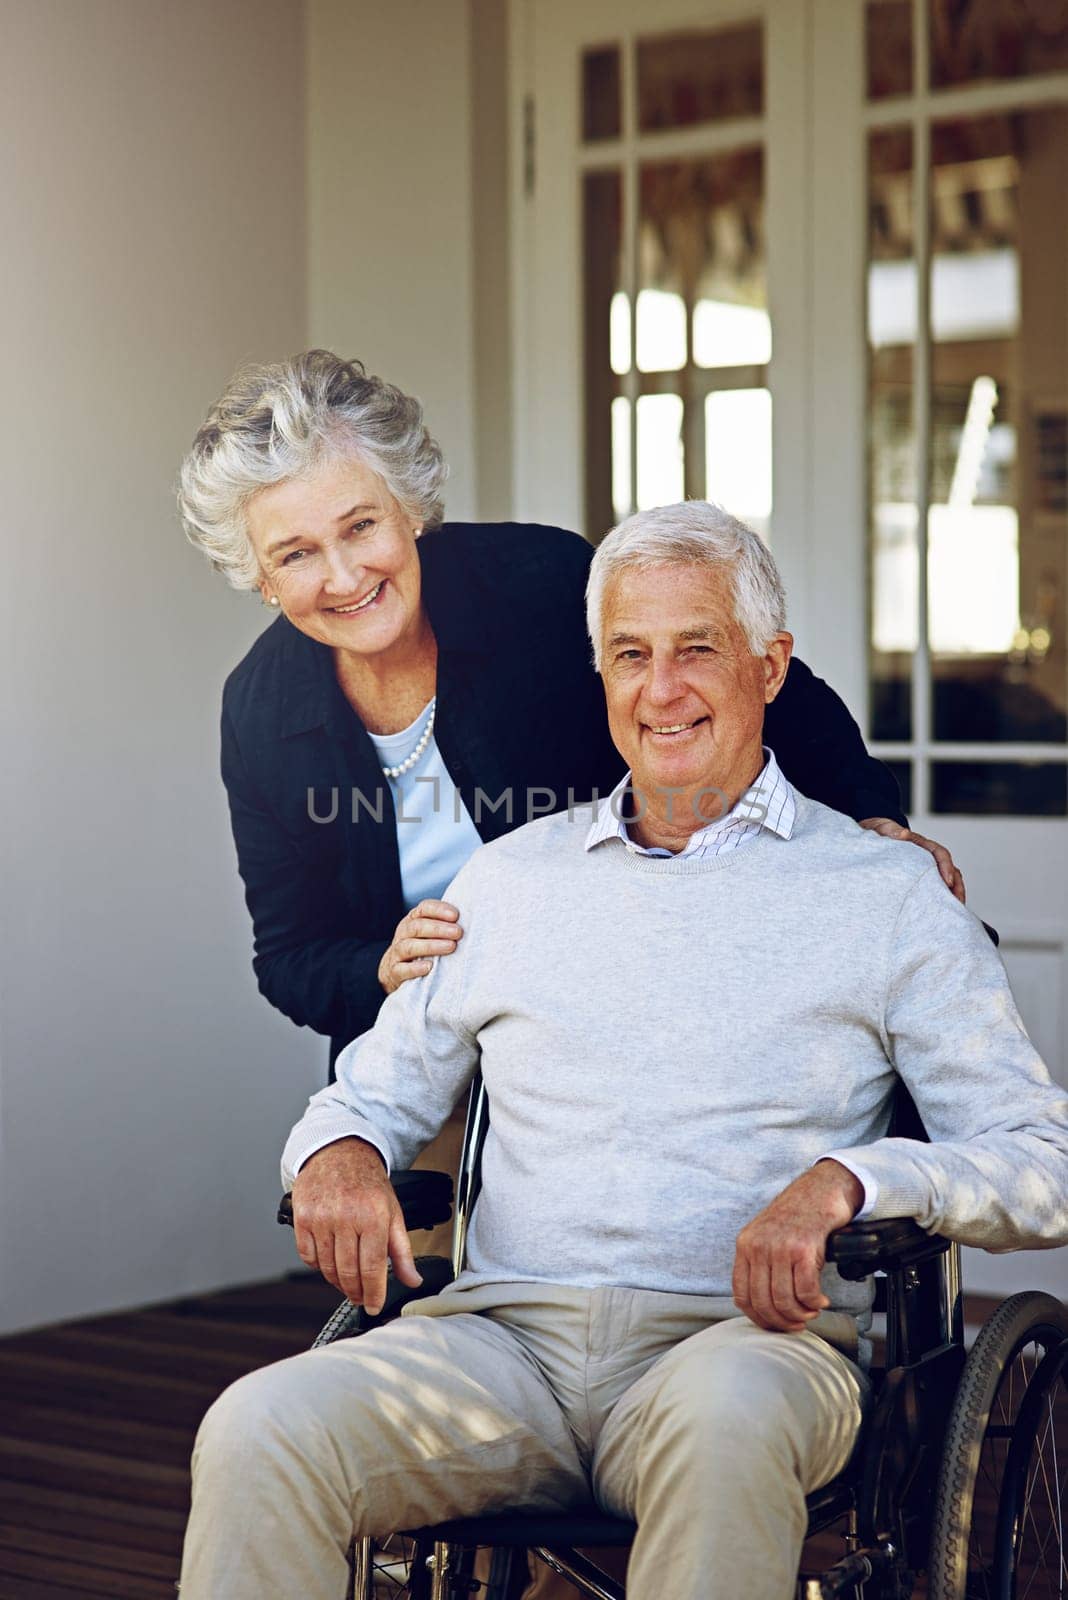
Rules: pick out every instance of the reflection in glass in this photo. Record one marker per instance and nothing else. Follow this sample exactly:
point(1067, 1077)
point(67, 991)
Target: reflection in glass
point(738, 454)
point(606, 339)
point(619, 332)
point(984, 39)
point(687, 78)
point(998, 554)
point(622, 504)
point(661, 332)
point(1000, 788)
point(660, 457)
point(1051, 458)
point(726, 335)
point(892, 512)
point(602, 117)
point(888, 44)
point(701, 260)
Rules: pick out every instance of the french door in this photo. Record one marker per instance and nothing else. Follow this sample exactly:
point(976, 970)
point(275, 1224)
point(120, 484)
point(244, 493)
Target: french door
point(810, 258)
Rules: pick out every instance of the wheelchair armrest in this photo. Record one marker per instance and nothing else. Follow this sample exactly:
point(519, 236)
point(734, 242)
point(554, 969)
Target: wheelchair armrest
point(890, 1245)
point(425, 1199)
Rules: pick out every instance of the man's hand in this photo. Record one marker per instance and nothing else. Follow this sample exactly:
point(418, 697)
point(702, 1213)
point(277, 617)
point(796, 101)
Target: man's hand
point(348, 1222)
point(950, 872)
point(780, 1254)
point(432, 928)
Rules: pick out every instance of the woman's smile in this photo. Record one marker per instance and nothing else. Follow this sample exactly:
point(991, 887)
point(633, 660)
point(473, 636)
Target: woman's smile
point(350, 608)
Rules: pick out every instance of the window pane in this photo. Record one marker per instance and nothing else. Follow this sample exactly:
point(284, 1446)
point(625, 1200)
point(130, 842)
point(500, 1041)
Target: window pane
point(726, 335)
point(997, 532)
point(686, 78)
point(661, 331)
point(738, 454)
point(702, 263)
point(1051, 459)
point(660, 459)
point(601, 114)
point(619, 333)
point(606, 334)
point(1000, 788)
point(888, 38)
point(996, 39)
point(892, 511)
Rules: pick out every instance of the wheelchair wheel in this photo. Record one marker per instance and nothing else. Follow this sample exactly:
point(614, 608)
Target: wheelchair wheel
point(394, 1566)
point(1031, 1552)
point(999, 1460)
point(402, 1568)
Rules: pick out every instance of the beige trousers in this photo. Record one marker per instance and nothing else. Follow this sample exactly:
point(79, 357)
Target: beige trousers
point(527, 1396)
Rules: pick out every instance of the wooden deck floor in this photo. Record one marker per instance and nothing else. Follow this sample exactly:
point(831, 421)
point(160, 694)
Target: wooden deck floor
point(97, 1420)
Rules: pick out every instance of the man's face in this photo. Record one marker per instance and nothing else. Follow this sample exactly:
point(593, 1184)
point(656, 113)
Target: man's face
point(685, 694)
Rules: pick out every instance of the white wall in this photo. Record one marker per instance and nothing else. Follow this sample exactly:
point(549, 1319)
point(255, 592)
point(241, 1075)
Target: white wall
point(152, 195)
point(391, 209)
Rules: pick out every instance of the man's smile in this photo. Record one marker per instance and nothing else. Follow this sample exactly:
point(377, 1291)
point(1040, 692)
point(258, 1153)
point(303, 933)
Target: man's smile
point(673, 730)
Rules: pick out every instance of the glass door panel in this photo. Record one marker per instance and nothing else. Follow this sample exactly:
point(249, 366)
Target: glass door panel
point(967, 324)
point(602, 104)
point(888, 48)
point(703, 75)
point(997, 542)
point(684, 383)
point(996, 39)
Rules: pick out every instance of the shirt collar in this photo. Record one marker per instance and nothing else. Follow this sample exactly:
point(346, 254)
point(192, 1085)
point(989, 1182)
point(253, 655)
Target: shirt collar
point(769, 802)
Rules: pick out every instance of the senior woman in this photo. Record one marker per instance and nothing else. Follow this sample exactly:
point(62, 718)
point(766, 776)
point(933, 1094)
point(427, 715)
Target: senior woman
point(425, 687)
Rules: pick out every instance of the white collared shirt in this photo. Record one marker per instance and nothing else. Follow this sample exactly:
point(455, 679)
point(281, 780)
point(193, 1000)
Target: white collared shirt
point(767, 803)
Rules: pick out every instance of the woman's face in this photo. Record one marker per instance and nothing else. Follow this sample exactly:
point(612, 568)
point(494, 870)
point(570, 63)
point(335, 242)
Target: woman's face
point(338, 553)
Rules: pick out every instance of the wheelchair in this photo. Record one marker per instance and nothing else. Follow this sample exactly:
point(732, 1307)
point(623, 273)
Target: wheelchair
point(955, 1488)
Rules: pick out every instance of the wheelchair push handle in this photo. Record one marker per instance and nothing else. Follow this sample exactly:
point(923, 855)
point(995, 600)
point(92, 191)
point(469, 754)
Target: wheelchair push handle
point(425, 1199)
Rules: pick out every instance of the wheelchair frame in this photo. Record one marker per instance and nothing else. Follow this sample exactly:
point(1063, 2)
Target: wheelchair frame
point(940, 1418)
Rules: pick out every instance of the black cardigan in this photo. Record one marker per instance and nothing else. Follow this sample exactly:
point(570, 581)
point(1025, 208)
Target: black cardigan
point(520, 709)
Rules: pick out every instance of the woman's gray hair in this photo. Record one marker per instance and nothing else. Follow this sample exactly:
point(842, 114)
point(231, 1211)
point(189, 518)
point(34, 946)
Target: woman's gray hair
point(696, 533)
point(280, 421)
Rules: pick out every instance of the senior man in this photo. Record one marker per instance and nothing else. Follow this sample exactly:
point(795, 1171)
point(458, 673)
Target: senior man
point(704, 992)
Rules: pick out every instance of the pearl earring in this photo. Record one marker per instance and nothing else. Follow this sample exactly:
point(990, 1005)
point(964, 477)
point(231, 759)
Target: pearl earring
point(273, 600)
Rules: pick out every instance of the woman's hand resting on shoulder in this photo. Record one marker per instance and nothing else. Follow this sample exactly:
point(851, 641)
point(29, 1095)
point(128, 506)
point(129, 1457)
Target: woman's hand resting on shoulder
point(951, 873)
point(432, 928)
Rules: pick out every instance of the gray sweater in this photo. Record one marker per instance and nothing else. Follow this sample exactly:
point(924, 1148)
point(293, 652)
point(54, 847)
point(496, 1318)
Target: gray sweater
point(666, 1043)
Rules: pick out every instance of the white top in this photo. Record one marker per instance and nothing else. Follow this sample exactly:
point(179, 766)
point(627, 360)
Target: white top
point(435, 834)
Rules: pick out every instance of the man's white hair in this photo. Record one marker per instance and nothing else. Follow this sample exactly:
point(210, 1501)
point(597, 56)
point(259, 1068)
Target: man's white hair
point(694, 533)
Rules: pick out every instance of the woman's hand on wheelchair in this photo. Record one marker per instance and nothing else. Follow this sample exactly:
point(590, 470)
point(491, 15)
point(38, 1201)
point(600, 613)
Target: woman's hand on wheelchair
point(780, 1254)
point(347, 1221)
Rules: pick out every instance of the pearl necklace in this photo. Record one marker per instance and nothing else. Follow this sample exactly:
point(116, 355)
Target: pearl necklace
point(424, 739)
